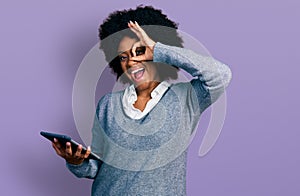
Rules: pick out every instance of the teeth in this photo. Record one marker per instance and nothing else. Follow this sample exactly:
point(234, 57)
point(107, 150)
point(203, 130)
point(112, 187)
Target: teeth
point(137, 70)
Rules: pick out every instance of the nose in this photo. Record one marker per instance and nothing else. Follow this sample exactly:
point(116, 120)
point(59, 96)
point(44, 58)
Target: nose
point(131, 62)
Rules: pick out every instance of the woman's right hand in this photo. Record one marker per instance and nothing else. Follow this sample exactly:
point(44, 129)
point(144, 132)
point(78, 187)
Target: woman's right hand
point(74, 158)
point(144, 40)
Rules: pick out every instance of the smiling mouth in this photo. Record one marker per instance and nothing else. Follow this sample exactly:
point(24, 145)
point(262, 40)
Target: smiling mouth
point(137, 74)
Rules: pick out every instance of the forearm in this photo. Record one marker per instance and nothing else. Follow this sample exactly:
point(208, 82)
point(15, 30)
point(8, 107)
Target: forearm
point(214, 76)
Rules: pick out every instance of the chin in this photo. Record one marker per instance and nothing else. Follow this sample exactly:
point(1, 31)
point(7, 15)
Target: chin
point(145, 85)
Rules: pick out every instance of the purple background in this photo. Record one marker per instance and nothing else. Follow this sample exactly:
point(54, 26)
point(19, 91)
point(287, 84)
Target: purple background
point(43, 43)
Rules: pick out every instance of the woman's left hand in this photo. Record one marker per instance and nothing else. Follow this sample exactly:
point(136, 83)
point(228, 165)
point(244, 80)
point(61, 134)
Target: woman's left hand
point(144, 41)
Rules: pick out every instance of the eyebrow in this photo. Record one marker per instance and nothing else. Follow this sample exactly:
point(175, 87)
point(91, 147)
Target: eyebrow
point(120, 52)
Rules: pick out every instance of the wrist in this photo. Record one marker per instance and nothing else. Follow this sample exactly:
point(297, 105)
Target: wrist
point(74, 162)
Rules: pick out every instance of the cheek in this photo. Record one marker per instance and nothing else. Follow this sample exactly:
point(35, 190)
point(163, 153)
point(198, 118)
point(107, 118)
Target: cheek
point(153, 70)
point(124, 69)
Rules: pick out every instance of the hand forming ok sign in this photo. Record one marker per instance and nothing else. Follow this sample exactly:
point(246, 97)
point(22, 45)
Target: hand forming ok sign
point(144, 40)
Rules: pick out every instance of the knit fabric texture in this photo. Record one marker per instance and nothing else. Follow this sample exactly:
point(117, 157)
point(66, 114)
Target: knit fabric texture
point(147, 156)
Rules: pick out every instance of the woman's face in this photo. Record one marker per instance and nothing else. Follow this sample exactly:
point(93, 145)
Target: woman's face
point(141, 73)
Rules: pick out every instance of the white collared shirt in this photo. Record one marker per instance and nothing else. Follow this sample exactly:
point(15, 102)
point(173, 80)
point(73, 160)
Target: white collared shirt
point(130, 97)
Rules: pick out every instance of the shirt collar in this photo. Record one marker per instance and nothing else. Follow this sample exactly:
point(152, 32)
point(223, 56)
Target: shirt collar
point(160, 89)
point(131, 96)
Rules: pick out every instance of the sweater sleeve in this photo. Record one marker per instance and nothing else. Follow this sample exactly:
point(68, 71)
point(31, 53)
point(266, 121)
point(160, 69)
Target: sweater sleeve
point(211, 76)
point(87, 169)
point(90, 167)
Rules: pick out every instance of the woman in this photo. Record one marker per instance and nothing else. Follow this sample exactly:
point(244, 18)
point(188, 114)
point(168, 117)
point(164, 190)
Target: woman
point(142, 133)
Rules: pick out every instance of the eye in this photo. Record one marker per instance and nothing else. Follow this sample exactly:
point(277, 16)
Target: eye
point(123, 58)
point(140, 50)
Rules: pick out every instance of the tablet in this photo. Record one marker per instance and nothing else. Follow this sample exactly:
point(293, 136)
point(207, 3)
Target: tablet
point(63, 139)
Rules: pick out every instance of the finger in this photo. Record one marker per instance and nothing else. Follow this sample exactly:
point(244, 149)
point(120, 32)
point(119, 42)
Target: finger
point(140, 30)
point(141, 34)
point(57, 143)
point(135, 45)
point(130, 24)
point(147, 41)
point(132, 27)
point(68, 149)
point(139, 58)
point(78, 151)
point(57, 150)
point(136, 29)
point(87, 153)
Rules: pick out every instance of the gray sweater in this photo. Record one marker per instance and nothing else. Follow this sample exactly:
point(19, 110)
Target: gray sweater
point(148, 156)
